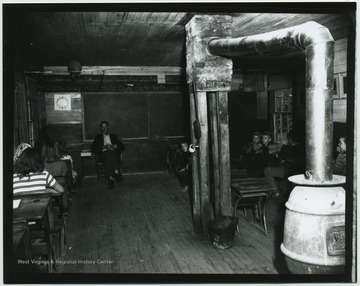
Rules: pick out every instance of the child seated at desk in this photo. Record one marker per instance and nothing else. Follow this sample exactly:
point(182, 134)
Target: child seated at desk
point(185, 166)
point(64, 156)
point(291, 151)
point(340, 162)
point(270, 150)
point(53, 164)
point(19, 150)
point(30, 175)
point(252, 153)
point(266, 141)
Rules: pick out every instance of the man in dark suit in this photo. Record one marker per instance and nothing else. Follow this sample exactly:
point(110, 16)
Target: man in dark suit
point(108, 148)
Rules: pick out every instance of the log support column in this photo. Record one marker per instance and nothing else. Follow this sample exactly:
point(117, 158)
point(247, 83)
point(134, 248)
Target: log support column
point(209, 78)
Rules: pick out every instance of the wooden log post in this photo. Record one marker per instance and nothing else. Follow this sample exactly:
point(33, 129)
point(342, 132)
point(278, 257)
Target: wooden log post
point(214, 145)
point(224, 153)
point(209, 80)
point(195, 192)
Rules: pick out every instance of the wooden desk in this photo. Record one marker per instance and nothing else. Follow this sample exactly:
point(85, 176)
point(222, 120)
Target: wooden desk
point(37, 208)
point(32, 208)
point(239, 174)
point(85, 155)
point(58, 201)
point(251, 191)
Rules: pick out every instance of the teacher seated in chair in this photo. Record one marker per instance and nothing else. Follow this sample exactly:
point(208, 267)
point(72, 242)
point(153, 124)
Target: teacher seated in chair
point(108, 149)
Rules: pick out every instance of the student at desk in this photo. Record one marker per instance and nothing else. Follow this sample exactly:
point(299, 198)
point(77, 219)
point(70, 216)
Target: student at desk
point(52, 163)
point(292, 151)
point(30, 175)
point(19, 150)
point(252, 155)
point(65, 156)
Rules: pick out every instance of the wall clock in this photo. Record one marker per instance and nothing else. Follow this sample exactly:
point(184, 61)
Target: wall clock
point(62, 101)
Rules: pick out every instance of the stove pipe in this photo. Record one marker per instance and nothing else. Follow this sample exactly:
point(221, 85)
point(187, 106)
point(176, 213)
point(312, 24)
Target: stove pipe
point(318, 44)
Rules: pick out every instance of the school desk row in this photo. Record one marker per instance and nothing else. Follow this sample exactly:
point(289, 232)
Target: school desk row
point(39, 227)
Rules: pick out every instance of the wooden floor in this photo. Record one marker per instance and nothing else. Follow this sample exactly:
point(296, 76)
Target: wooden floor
point(144, 225)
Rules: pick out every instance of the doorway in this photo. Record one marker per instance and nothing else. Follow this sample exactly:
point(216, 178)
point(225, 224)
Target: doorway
point(242, 121)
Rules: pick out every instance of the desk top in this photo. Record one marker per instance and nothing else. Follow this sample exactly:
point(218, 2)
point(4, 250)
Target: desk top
point(251, 185)
point(31, 208)
point(85, 153)
point(239, 174)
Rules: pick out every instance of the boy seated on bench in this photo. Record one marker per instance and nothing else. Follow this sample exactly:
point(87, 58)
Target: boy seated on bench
point(340, 162)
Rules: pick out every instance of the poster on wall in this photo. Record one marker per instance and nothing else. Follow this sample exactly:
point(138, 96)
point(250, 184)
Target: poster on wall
point(62, 101)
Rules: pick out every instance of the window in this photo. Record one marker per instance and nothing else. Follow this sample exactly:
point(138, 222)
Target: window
point(340, 85)
point(336, 93)
point(343, 85)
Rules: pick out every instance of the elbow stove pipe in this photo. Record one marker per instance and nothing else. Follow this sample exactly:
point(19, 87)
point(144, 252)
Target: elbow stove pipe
point(318, 45)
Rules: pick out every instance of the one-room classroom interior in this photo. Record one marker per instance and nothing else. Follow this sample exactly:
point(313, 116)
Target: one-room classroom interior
point(207, 142)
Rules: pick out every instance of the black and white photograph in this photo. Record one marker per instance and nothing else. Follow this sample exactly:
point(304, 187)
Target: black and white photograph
point(185, 142)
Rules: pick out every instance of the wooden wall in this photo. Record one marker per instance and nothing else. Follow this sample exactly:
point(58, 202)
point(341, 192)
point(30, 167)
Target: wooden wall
point(340, 70)
point(27, 92)
point(340, 59)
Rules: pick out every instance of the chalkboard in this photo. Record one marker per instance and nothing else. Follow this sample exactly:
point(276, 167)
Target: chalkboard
point(136, 115)
point(168, 115)
point(127, 114)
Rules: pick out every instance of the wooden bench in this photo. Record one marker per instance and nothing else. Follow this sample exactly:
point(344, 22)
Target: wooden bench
point(251, 191)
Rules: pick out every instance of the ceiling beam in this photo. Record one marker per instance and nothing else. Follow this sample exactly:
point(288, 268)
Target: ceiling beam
point(116, 70)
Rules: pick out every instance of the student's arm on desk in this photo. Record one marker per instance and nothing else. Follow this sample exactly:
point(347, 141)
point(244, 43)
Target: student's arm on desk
point(58, 188)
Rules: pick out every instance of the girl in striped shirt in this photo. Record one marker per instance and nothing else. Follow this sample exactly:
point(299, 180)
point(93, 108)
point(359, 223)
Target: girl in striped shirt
point(30, 175)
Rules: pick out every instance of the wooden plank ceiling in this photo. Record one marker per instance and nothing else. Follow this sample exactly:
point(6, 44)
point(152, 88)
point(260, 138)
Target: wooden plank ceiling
point(135, 38)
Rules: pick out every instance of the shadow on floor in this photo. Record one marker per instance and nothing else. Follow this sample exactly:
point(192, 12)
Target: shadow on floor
point(276, 212)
